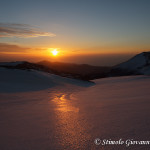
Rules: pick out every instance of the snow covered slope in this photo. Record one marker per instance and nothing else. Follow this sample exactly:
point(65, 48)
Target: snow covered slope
point(71, 117)
point(11, 63)
point(15, 80)
point(138, 64)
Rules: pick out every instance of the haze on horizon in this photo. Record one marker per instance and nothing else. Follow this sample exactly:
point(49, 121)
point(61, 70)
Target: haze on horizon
point(95, 32)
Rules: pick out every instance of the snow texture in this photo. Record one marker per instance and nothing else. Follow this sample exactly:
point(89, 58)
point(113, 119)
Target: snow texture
point(15, 80)
point(65, 115)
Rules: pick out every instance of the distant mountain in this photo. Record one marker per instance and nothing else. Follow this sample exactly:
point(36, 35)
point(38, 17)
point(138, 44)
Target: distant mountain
point(11, 63)
point(76, 71)
point(139, 64)
point(82, 71)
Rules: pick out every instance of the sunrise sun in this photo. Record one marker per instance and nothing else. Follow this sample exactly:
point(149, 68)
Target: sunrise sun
point(54, 52)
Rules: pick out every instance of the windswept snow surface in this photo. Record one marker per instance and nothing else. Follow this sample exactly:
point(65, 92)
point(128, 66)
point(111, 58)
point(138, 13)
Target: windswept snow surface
point(70, 116)
point(15, 80)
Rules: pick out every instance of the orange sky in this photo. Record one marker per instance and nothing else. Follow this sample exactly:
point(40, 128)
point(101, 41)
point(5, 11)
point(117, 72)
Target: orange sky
point(77, 29)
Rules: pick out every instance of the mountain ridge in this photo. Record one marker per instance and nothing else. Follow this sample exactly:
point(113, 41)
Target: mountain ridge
point(137, 65)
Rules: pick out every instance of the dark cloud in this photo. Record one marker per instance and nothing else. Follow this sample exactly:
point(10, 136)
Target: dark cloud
point(21, 30)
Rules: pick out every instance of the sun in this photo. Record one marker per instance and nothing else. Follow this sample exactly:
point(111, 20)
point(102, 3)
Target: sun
point(54, 52)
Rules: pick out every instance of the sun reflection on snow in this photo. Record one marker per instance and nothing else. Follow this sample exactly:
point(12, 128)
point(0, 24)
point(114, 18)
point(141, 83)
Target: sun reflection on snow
point(63, 104)
point(71, 129)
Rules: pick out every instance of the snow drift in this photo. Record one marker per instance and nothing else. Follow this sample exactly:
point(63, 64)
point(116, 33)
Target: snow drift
point(15, 80)
point(71, 117)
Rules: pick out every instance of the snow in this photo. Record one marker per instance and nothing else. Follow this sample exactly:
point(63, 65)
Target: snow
point(134, 63)
point(146, 70)
point(15, 80)
point(139, 63)
point(11, 63)
point(68, 115)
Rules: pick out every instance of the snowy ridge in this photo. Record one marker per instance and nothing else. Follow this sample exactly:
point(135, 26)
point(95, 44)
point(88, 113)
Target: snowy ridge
point(11, 63)
point(138, 64)
point(15, 80)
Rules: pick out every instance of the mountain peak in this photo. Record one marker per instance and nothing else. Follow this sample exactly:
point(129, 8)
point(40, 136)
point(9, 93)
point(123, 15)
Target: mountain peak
point(139, 64)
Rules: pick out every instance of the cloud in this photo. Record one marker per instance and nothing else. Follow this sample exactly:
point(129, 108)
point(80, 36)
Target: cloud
point(6, 48)
point(21, 30)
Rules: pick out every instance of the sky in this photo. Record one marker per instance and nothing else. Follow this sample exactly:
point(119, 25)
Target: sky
point(97, 32)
